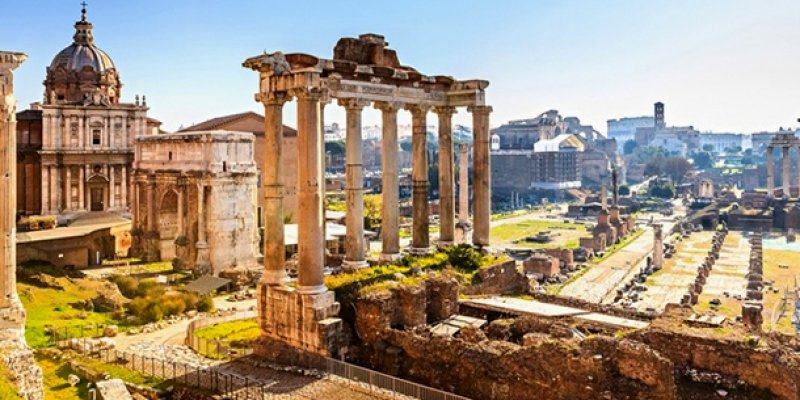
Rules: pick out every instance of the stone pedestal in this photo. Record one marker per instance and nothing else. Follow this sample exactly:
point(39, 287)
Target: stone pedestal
point(295, 327)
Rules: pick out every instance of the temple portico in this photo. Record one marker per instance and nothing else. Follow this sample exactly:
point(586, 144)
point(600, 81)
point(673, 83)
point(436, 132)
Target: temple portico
point(362, 72)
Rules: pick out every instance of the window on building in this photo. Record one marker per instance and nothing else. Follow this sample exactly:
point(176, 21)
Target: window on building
point(96, 137)
point(170, 156)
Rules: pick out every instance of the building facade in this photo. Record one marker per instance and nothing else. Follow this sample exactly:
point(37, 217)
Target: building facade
point(76, 146)
point(624, 129)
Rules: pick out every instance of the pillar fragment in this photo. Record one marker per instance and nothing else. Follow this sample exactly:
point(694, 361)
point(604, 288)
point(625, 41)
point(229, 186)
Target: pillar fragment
point(481, 170)
point(354, 190)
point(446, 183)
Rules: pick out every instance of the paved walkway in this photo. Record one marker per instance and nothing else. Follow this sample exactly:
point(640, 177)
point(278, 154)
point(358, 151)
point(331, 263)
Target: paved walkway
point(670, 283)
point(603, 278)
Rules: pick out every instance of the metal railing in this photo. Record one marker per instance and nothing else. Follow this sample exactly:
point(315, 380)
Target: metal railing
point(389, 383)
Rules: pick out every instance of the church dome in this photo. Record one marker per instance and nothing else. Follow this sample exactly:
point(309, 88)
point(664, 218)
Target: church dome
point(78, 55)
point(82, 72)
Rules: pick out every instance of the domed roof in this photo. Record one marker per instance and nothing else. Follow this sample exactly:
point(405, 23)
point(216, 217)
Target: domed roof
point(83, 52)
point(77, 56)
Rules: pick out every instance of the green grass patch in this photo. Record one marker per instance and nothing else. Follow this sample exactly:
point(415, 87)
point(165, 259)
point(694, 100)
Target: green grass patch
point(507, 215)
point(52, 308)
point(238, 334)
point(519, 230)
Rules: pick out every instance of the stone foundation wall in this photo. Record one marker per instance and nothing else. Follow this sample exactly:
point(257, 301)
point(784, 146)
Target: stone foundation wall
point(765, 367)
point(599, 367)
point(498, 279)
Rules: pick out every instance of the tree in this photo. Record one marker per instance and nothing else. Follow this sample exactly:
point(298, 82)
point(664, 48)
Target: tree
point(335, 148)
point(629, 147)
point(653, 167)
point(702, 160)
point(665, 192)
point(624, 190)
point(676, 168)
point(747, 160)
point(708, 147)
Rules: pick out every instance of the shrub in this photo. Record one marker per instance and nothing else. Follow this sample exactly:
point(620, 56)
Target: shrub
point(126, 284)
point(206, 304)
point(463, 257)
point(173, 304)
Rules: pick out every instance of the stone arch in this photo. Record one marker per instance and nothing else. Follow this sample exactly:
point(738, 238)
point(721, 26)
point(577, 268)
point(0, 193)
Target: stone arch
point(168, 223)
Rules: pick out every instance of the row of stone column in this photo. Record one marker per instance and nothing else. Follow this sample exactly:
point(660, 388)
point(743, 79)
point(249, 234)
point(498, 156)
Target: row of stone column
point(786, 170)
point(311, 184)
point(55, 199)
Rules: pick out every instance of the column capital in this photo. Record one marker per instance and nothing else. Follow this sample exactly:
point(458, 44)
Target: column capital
point(308, 93)
point(388, 106)
point(273, 98)
point(445, 111)
point(353, 104)
point(417, 109)
point(480, 110)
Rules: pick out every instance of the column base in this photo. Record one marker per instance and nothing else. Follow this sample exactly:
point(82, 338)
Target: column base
point(419, 251)
point(274, 278)
point(390, 257)
point(444, 243)
point(353, 265)
point(318, 289)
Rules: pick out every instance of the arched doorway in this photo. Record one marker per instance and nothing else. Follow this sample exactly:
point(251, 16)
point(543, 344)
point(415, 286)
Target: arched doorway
point(168, 224)
point(97, 192)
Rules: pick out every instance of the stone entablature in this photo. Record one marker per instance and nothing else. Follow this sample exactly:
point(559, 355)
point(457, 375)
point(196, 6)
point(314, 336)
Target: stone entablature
point(196, 200)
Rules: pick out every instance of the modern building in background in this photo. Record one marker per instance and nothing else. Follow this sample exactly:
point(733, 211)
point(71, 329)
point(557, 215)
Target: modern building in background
point(624, 129)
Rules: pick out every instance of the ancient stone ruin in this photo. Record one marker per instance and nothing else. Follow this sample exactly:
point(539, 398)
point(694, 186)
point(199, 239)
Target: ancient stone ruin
point(363, 71)
point(15, 354)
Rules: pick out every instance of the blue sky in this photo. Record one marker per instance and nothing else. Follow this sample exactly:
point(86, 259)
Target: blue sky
point(718, 65)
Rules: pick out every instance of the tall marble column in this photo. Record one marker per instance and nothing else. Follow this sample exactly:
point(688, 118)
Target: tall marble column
point(272, 178)
point(45, 189)
point(310, 188)
point(124, 187)
point(8, 180)
point(798, 171)
point(15, 356)
point(770, 172)
point(202, 245)
point(67, 187)
point(462, 228)
point(112, 186)
point(420, 240)
point(481, 180)
point(786, 177)
point(446, 183)
point(81, 194)
point(354, 218)
point(181, 218)
point(390, 197)
point(658, 247)
point(151, 205)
